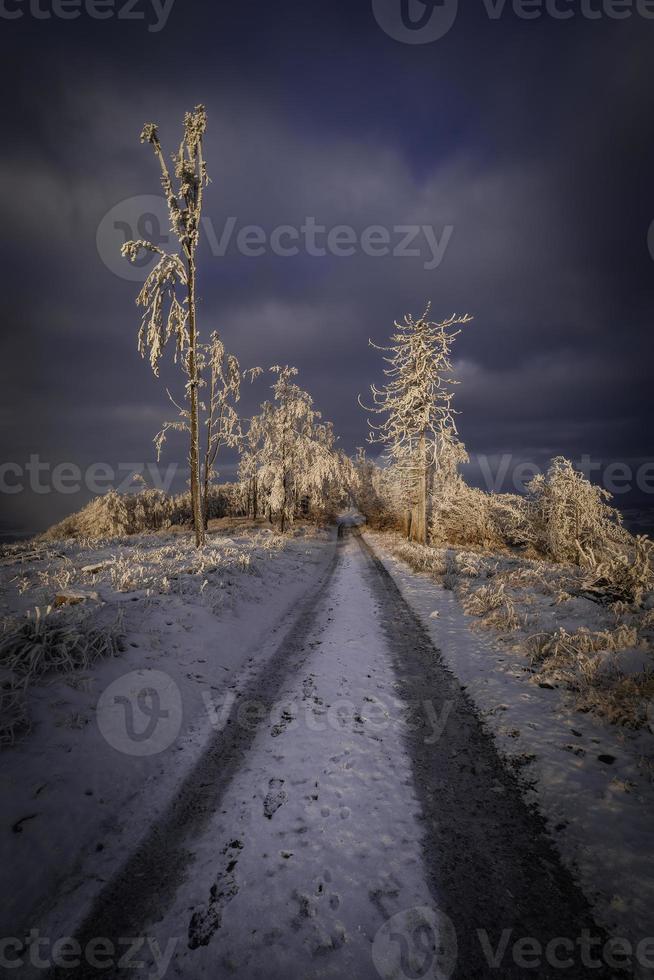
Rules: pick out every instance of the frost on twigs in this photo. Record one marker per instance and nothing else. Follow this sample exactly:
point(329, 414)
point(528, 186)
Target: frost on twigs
point(164, 315)
point(168, 296)
point(289, 461)
point(417, 427)
point(622, 575)
point(570, 516)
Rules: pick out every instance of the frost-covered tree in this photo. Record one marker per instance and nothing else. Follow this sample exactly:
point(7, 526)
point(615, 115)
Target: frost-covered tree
point(370, 490)
point(218, 412)
point(222, 421)
point(415, 403)
point(290, 453)
point(249, 463)
point(168, 296)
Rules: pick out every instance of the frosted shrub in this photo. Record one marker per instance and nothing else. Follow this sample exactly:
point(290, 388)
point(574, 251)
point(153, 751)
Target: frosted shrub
point(221, 501)
point(150, 510)
point(570, 518)
point(116, 515)
point(624, 576)
point(510, 516)
point(468, 517)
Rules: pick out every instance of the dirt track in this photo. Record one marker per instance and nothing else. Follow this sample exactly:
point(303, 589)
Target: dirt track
point(369, 820)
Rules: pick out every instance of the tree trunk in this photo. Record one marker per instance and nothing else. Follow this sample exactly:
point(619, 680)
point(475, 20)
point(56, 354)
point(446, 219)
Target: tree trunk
point(408, 523)
point(421, 521)
point(205, 501)
point(418, 515)
point(284, 504)
point(194, 455)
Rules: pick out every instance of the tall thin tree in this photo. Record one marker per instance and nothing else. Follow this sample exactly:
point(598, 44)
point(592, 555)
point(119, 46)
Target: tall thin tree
point(416, 405)
point(165, 314)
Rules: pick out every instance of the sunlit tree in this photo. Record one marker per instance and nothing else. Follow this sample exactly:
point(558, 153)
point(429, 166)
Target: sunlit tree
point(415, 404)
point(168, 296)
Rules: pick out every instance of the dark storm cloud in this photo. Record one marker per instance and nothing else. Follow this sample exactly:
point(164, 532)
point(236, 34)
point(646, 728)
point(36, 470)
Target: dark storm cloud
point(530, 140)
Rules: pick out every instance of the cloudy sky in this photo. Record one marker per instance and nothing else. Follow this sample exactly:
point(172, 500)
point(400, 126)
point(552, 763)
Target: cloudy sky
point(520, 150)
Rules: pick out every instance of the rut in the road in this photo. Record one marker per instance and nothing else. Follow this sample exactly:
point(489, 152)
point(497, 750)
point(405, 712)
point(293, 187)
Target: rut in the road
point(142, 888)
point(488, 854)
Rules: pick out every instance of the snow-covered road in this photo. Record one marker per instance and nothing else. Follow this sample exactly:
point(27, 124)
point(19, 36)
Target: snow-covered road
point(359, 822)
point(317, 840)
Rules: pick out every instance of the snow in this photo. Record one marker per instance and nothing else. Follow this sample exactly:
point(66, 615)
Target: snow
point(314, 857)
point(319, 831)
point(587, 777)
point(83, 801)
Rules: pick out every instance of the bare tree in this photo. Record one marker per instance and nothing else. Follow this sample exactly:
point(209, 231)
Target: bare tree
point(169, 292)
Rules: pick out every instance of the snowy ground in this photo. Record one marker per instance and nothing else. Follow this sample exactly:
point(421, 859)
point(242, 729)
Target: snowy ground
point(77, 792)
point(310, 853)
point(593, 781)
point(313, 793)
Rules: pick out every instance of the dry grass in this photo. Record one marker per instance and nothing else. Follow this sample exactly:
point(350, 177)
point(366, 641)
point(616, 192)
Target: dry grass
point(47, 641)
point(578, 660)
point(14, 717)
point(420, 557)
point(627, 701)
point(50, 640)
point(520, 591)
point(562, 647)
point(495, 606)
point(63, 640)
point(622, 575)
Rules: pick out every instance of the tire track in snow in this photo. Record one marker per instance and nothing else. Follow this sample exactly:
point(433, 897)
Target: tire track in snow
point(326, 813)
point(141, 890)
point(486, 852)
point(289, 846)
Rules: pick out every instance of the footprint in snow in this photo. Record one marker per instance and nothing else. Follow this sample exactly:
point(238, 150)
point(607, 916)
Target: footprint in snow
point(308, 687)
point(207, 919)
point(275, 798)
point(283, 723)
